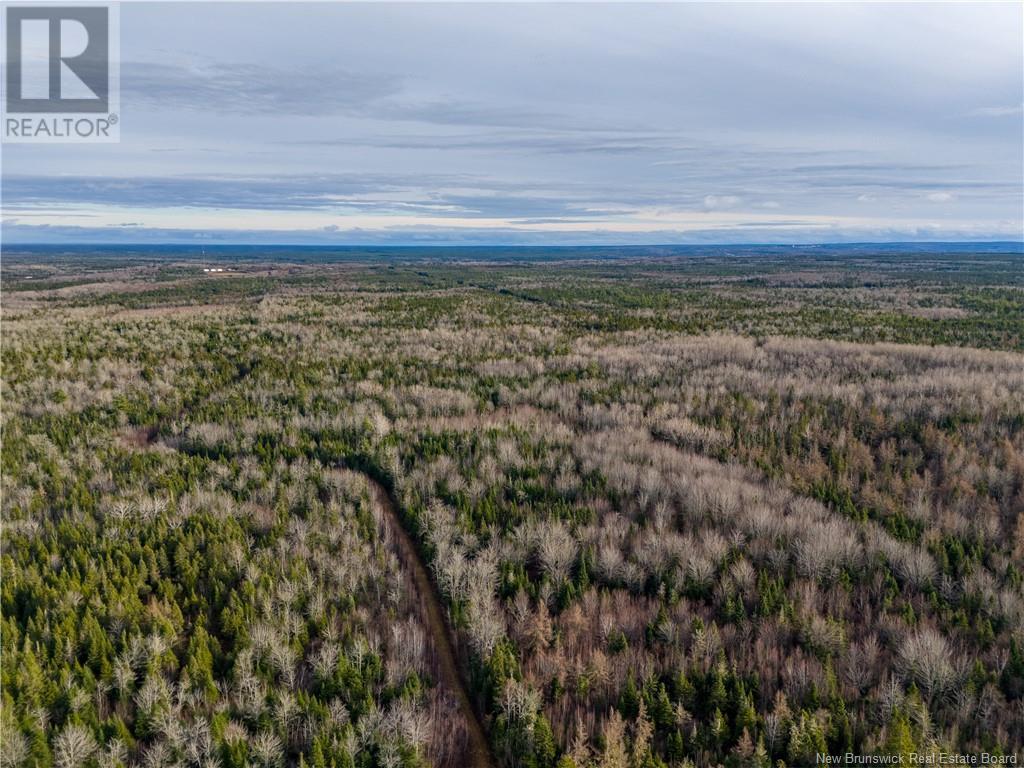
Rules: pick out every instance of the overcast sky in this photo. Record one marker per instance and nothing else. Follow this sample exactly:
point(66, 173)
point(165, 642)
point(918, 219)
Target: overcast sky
point(536, 123)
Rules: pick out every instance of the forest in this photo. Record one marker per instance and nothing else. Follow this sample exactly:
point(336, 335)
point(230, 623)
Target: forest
point(458, 509)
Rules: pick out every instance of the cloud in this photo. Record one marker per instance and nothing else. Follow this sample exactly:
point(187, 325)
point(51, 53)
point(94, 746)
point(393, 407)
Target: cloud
point(229, 191)
point(940, 197)
point(252, 89)
point(21, 234)
point(525, 139)
point(459, 112)
point(243, 115)
point(256, 89)
point(1005, 111)
point(718, 202)
point(437, 195)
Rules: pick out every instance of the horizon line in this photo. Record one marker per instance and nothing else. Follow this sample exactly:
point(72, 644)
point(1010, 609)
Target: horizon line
point(517, 246)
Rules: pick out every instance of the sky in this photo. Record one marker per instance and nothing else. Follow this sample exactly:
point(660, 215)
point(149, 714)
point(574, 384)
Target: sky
point(427, 123)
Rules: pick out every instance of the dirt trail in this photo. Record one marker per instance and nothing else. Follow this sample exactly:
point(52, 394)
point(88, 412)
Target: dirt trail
point(433, 615)
point(478, 749)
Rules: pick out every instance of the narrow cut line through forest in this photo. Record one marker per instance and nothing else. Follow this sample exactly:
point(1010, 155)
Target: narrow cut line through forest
point(478, 752)
point(433, 614)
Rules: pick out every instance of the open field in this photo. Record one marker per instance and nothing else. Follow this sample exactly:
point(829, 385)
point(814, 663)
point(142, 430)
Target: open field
point(675, 509)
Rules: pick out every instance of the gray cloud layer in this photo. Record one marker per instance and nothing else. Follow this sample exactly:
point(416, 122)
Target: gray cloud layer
point(865, 120)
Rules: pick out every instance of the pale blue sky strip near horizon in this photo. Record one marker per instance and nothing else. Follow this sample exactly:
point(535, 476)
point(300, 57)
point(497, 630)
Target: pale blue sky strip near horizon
point(546, 123)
